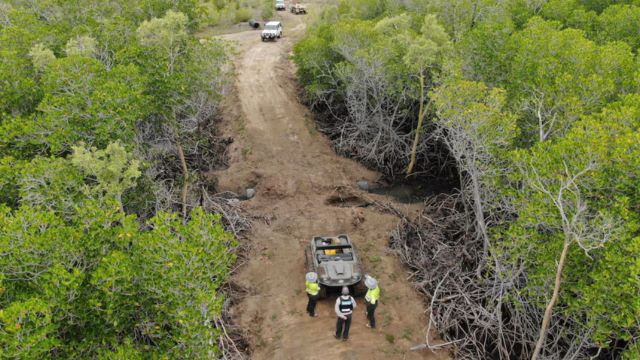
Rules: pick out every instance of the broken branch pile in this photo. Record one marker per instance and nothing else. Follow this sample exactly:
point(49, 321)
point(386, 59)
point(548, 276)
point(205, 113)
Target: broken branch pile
point(481, 316)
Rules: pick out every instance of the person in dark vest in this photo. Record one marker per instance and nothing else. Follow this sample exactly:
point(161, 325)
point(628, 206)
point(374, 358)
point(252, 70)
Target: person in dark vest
point(345, 304)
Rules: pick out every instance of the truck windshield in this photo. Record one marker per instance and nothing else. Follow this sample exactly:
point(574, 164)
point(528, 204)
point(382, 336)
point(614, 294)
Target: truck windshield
point(271, 27)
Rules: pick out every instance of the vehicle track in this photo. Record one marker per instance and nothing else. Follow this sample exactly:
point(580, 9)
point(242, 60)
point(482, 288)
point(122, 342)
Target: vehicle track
point(295, 172)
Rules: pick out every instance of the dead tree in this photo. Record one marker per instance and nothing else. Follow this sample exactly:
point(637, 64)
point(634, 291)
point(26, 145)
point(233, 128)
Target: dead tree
point(546, 115)
point(471, 123)
point(480, 318)
point(479, 308)
point(374, 130)
point(422, 112)
point(368, 114)
point(579, 225)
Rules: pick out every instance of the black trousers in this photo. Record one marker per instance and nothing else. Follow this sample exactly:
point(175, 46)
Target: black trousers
point(371, 309)
point(342, 327)
point(311, 305)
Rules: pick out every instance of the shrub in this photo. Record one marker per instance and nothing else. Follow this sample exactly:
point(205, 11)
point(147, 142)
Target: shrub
point(243, 15)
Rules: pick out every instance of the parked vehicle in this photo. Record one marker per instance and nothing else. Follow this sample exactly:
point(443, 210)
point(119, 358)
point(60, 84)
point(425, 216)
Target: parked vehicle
point(298, 9)
point(280, 5)
point(272, 31)
point(336, 261)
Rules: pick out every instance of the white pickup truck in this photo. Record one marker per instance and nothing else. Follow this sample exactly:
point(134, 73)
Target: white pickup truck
point(272, 31)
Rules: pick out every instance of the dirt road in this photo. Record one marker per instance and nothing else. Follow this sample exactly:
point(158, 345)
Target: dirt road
point(295, 172)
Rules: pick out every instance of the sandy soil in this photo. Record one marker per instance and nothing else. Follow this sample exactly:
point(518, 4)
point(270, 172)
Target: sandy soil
point(278, 151)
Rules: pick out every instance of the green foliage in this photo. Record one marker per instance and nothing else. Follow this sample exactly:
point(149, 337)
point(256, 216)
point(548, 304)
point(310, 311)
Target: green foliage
point(603, 22)
point(620, 23)
point(243, 15)
point(95, 271)
point(314, 57)
point(81, 269)
point(483, 52)
point(166, 34)
point(19, 91)
point(458, 16)
point(50, 183)
point(560, 100)
point(632, 352)
point(600, 5)
point(364, 9)
point(267, 9)
point(560, 75)
point(221, 14)
point(570, 13)
point(10, 169)
point(478, 131)
point(600, 279)
point(391, 24)
point(41, 57)
point(477, 112)
point(427, 50)
point(81, 46)
point(394, 53)
point(113, 169)
point(27, 330)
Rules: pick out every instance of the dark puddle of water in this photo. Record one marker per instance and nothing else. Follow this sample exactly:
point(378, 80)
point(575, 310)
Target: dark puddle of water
point(413, 190)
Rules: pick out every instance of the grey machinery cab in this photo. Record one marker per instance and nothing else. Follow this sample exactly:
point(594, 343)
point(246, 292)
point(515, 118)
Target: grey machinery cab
point(336, 261)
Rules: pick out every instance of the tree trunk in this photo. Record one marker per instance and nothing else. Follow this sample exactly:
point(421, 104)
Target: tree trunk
point(185, 185)
point(480, 221)
point(421, 114)
point(554, 298)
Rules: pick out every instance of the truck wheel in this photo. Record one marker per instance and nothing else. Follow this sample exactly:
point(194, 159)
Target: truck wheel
point(323, 292)
point(308, 259)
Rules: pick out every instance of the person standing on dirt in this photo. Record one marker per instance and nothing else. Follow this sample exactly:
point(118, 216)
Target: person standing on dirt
point(313, 292)
point(345, 304)
point(371, 299)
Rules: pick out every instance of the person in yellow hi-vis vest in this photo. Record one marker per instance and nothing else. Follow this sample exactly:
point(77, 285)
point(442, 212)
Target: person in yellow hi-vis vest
point(371, 298)
point(313, 292)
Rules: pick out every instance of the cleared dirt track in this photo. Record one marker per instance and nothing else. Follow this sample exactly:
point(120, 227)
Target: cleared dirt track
point(296, 173)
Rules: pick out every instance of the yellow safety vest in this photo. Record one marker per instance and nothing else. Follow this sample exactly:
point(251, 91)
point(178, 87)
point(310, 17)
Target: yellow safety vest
point(373, 295)
point(312, 288)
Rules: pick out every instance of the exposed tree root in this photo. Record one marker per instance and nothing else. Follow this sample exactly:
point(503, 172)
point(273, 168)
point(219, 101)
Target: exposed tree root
point(233, 340)
point(177, 166)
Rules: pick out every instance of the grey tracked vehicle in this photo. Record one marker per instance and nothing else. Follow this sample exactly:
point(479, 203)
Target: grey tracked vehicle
point(337, 263)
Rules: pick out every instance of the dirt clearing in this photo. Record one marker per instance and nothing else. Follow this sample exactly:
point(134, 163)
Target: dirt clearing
point(297, 176)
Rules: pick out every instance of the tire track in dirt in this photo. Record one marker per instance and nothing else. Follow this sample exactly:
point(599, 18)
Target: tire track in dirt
point(295, 171)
